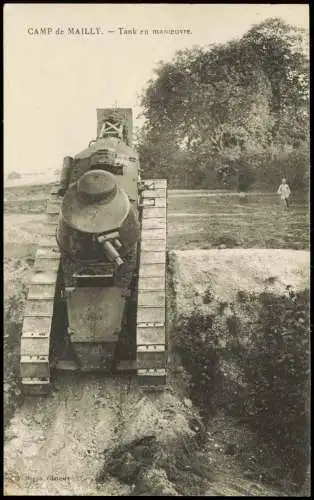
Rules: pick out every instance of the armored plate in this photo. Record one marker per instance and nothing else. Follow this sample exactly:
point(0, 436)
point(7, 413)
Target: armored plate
point(95, 314)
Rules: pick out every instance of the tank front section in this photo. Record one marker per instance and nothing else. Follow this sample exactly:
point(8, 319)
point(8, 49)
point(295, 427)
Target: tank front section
point(96, 282)
point(83, 246)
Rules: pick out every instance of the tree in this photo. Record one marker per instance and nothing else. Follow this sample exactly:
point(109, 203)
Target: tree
point(282, 53)
point(213, 108)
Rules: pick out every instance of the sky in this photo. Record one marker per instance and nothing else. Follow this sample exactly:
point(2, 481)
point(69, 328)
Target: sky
point(53, 83)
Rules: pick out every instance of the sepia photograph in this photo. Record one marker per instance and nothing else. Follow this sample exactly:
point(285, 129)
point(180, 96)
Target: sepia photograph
point(156, 255)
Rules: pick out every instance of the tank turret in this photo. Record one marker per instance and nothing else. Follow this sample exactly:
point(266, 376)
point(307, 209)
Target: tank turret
point(98, 222)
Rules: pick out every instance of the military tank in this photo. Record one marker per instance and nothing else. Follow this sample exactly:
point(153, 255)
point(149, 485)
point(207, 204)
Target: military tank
point(97, 295)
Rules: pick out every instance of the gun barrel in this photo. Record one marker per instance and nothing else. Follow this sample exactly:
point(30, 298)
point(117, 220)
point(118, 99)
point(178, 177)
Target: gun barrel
point(112, 253)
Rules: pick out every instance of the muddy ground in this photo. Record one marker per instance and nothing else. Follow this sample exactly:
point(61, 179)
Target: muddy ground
point(103, 436)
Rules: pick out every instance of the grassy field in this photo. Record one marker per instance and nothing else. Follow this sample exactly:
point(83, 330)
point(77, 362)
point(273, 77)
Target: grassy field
point(209, 219)
point(206, 219)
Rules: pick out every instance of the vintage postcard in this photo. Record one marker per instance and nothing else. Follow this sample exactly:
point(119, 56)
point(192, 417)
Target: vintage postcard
point(156, 250)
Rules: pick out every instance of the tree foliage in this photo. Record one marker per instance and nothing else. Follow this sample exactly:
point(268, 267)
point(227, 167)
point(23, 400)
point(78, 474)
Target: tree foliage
point(213, 111)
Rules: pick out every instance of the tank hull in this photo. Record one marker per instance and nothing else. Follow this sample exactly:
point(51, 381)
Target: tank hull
point(97, 297)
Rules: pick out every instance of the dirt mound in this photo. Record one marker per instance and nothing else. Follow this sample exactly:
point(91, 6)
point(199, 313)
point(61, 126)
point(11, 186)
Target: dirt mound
point(219, 296)
point(157, 450)
point(102, 437)
point(16, 275)
point(226, 272)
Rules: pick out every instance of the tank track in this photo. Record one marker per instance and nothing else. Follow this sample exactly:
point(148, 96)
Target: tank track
point(151, 343)
point(39, 310)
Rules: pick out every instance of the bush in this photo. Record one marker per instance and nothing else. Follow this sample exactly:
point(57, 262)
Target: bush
point(246, 177)
point(198, 346)
point(261, 171)
point(277, 374)
point(274, 164)
point(273, 396)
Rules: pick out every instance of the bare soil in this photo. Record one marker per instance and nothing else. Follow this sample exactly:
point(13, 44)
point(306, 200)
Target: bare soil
point(228, 271)
point(55, 444)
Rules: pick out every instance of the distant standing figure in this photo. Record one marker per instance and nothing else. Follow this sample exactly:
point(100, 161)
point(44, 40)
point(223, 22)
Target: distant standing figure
point(284, 192)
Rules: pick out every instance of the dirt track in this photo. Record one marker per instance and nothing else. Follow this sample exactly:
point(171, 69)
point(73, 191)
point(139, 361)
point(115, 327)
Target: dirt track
point(56, 444)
